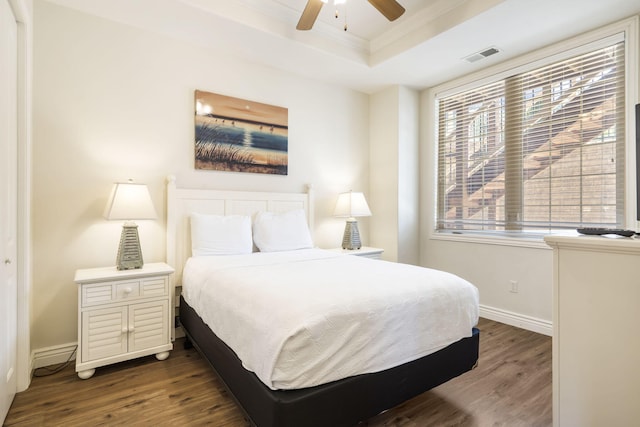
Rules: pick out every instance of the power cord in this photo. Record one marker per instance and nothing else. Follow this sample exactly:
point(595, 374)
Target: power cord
point(54, 370)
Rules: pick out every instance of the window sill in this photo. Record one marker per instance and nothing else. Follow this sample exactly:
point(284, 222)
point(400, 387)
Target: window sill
point(522, 240)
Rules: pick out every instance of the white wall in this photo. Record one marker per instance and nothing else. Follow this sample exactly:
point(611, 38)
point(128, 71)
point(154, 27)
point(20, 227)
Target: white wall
point(394, 175)
point(113, 102)
point(408, 176)
point(384, 172)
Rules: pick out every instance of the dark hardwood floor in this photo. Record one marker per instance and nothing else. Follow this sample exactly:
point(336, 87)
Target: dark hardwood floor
point(510, 387)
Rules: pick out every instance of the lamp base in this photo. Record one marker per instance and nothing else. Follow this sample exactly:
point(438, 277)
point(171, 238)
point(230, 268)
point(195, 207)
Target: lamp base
point(129, 251)
point(351, 238)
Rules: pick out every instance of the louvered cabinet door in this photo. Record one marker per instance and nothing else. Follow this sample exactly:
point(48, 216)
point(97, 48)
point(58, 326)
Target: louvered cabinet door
point(104, 333)
point(148, 325)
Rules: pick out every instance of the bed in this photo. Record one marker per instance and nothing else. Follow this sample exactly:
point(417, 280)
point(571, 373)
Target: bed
point(271, 393)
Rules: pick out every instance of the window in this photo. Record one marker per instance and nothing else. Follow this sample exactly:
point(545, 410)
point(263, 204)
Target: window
point(538, 150)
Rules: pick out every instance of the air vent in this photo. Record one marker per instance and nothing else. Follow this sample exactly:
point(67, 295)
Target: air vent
point(481, 55)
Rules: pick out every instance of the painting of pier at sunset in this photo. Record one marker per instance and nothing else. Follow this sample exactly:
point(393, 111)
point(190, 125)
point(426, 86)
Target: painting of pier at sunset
point(237, 135)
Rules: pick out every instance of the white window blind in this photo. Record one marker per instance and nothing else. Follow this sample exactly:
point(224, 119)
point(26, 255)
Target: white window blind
point(543, 149)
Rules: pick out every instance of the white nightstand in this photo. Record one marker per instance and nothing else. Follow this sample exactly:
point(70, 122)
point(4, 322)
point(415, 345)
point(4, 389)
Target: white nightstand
point(123, 314)
point(365, 251)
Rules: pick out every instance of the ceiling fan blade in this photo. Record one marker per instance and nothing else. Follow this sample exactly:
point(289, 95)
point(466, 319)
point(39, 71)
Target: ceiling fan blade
point(391, 9)
point(309, 14)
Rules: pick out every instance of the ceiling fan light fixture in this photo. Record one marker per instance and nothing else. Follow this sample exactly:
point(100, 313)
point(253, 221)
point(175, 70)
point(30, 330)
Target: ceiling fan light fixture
point(338, 4)
point(391, 9)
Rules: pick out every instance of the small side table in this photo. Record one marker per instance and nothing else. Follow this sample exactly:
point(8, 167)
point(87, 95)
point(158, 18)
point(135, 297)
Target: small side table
point(123, 314)
point(365, 251)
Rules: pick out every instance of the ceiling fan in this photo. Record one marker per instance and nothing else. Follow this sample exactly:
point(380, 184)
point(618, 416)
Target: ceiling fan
point(391, 9)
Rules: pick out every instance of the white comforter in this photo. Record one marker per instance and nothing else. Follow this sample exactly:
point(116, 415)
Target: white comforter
point(303, 318)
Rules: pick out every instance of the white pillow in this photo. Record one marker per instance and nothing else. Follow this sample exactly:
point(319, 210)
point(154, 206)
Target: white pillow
point(220, 234)
point(273, 232)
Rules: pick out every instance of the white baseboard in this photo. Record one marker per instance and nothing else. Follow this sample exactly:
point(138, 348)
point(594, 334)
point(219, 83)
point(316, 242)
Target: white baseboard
point(529, 323)
point(53, 355)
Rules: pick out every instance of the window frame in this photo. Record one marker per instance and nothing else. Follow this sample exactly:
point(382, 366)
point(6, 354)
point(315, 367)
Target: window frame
point(627, 31)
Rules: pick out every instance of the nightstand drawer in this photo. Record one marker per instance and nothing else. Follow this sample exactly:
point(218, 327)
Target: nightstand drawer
point(129, 289)
point(104, 293)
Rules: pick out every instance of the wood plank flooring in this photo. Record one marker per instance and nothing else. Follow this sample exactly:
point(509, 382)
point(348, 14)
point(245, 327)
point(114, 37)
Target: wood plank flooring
point(510, 387)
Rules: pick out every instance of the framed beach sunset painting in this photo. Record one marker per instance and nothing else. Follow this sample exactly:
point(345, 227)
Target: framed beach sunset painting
point(237, 135)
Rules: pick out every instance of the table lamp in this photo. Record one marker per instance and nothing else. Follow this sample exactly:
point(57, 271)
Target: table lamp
point(129, 201)
point(351, 205)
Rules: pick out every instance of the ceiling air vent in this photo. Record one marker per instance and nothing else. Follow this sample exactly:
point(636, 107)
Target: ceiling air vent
point(481, 55)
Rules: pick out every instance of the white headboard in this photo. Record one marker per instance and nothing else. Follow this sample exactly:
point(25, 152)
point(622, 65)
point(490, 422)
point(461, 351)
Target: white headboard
point(181, 202)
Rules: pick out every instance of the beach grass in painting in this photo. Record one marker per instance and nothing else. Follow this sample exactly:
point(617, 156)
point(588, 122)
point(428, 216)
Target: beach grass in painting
point(233, 134)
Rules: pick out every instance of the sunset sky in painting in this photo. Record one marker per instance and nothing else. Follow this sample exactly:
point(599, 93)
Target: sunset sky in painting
point(240, 109)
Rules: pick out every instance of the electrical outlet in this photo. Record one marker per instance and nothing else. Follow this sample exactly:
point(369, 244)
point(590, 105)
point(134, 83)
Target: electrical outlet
point(513, 286)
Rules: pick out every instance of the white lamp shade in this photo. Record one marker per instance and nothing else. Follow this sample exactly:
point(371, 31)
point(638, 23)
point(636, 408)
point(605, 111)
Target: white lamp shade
point(130, 201)
point(351, 204)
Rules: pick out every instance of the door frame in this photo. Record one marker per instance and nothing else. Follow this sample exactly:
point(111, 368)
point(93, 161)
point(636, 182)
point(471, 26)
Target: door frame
point(23, 12)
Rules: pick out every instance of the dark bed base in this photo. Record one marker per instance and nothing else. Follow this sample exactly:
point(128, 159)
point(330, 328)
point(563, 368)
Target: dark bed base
point(340, 403)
